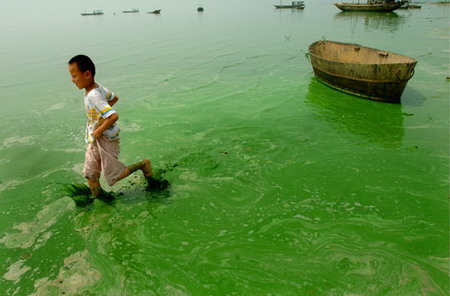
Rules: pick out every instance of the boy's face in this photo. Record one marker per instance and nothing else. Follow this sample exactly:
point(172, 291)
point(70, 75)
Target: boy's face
point(80, 79)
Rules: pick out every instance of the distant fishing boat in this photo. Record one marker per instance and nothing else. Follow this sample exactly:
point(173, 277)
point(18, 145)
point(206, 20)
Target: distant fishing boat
point(294, 4)
point(370, 6)
point(362, 71)
point(134, 10)
point(94, 12)
point(406, 5)
point(158, 11)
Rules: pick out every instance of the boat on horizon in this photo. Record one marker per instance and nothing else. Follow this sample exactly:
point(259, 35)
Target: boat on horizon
point(407, 5)
point(94, 12)
point(294, 4)
point(362, 71)
point(376, 5)
point(157, 11)
point(134, 10)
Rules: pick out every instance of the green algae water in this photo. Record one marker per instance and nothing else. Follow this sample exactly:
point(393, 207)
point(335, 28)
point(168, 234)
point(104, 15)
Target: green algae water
point(279, 185)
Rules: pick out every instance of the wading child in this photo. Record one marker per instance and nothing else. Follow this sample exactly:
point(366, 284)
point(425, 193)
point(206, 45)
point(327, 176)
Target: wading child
point(102, 131)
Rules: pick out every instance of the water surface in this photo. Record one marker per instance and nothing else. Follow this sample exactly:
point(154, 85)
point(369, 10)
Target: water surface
point(279, 184)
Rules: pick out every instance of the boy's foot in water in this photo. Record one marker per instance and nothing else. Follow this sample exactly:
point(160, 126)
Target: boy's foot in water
point(82, 200)
point(147, 168)
point(106, 197)
point(154, 184)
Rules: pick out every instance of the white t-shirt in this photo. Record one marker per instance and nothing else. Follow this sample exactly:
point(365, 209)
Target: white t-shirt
point(98, 109)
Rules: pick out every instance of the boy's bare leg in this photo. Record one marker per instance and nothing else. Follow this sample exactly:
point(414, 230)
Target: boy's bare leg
point(143, 165)
point(95, 187)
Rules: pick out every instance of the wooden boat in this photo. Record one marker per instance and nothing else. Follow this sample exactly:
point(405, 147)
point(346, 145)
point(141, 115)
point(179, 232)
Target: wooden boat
point(294, 4)
point(362, 71)
point(157, 11)
point(134, 10)
point(370, 6)
point(94, 12)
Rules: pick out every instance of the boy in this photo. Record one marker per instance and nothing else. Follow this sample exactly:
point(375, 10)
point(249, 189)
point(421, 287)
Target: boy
point(102, 131)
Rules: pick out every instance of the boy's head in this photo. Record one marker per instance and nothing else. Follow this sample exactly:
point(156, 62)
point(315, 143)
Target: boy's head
point(82, 70)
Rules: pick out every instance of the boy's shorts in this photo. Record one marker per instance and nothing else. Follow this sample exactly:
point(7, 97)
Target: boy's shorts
point(101, 156)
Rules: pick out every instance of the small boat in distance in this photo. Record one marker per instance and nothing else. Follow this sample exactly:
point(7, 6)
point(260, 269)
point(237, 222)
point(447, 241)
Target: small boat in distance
point(406, 5)
point(414, 6)
point(134, 10)
point(157, 11)
point(294, 4)
point(94, 12)
point(362, 71)
point(370, 6)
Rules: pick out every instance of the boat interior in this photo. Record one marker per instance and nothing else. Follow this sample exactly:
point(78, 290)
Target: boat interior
point(356, 54)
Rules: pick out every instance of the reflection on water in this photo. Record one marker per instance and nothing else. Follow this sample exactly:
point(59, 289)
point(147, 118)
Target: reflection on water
point(376, 122)
point(384, 21)
point(412, 97)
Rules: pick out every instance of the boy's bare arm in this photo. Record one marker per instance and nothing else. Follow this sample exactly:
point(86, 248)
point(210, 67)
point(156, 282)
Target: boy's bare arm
point(113, 101)
point(104, 125)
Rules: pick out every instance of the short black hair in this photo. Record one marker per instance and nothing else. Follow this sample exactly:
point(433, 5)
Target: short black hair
point(84, 63)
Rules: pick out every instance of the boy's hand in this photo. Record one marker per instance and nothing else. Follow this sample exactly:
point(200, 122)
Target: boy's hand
point(97, 134)
point(104, 125)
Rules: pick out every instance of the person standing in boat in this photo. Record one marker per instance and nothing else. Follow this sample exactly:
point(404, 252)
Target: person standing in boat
point(102, 130)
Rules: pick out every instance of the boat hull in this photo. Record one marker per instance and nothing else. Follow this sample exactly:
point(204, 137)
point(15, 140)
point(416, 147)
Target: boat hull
point(361, 71)
point(290, 6)
point(91, 13)
point(94, 12)
point(368, 7)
